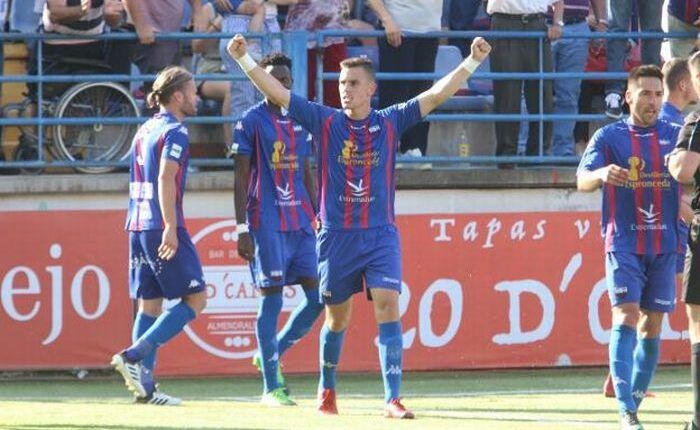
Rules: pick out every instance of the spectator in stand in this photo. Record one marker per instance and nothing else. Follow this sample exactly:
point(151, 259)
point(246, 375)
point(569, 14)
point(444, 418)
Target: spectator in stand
point(522, 55)
point(464, 15)
point(683, 16)
point(148, 17)
point(86, 18)
point(400, 55)
point(243, 93)
point(254, 8)
point(314, 15)
point(209, 61)
point(570, 55)
point(620, 15)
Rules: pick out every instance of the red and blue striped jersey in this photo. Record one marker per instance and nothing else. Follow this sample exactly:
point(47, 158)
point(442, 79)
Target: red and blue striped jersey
point(642, 216)
point(278, 148)
point(356, 161)
point(162, 136)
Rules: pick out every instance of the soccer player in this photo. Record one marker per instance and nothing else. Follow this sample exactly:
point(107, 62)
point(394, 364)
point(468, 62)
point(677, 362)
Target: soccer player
point(358, 245)
point(275, 201)
point(640, 217)
point(678, 94)
point(163, 262)
point(683, 164)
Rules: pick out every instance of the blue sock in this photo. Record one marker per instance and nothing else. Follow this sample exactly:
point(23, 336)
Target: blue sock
point(621, 349)
point(300, 321)
point(390, 357)
point(646, 355)
point(330, 345)
point(141, 324)
point(168, 324)
point(265, 330)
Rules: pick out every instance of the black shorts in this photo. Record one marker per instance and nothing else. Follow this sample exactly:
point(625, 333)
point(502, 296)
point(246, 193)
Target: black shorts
point(691, 271)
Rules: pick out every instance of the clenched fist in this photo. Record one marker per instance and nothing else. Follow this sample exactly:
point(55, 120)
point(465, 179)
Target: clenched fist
point(480, 49)
point(237, 47)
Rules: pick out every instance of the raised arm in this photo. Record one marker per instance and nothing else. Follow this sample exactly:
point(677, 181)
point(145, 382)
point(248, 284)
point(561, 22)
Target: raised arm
point(453, 81)
point(270, 87)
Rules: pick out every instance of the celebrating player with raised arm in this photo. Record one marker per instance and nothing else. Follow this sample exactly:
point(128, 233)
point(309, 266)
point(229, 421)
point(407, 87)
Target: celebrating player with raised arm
point(275, 201)
point(640, 225)
point(163, 262)
point(358, 244)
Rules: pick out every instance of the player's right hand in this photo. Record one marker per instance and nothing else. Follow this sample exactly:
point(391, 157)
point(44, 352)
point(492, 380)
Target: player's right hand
point(245, 246)
point(614, 175)
point(237, 47)
point(168, 244)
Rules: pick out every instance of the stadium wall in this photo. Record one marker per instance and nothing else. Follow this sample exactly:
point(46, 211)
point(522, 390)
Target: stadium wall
point(493, 277)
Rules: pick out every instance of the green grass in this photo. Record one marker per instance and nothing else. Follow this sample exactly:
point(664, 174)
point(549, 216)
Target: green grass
point(495, 400)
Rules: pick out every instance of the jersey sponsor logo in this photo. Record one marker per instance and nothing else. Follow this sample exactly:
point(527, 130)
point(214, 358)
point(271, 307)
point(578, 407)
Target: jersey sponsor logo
point(650, 219)
point(280, 159)
point(638, 178)
point(176, 151)
point(141, 190)
point(286, 196)
point(358, 194)
point(350, 156)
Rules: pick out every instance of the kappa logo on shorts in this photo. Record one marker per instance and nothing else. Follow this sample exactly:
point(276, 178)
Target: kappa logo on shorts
point(275, 274)
point(326, 294)
point(194, 284)
point(620, 291)
point(391, 280)
point(662, 302)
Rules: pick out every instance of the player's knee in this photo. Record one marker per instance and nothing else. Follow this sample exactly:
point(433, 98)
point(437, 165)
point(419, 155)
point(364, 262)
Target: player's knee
point(151, 307)
point(626, 314)
point(693, 312)
point(197, 302)
point(650, 324)
point(337, 321)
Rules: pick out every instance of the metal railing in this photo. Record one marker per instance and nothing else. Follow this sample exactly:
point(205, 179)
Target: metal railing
point(295, 45)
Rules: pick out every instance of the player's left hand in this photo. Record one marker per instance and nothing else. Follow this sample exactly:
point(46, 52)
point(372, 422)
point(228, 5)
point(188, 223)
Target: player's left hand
point(480, 49)
point(168, 244)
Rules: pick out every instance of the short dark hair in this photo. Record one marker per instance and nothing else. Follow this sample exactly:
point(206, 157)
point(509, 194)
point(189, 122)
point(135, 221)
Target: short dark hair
point(169, 80)
point(644, 71)
point(362, 61)
point(694, 62)
point(275, 59)
point(675, 70)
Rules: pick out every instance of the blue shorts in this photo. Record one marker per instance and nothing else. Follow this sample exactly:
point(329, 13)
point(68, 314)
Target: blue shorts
point(680, 263)
point(283, 257)
point(649, 280)
point(151, 277)
point(350, 259)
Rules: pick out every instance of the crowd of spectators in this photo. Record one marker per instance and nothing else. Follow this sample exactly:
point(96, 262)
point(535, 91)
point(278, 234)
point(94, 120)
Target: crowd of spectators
point(401, 50)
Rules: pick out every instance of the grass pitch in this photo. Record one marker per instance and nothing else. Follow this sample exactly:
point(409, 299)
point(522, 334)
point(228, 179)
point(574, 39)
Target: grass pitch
point(494, 400)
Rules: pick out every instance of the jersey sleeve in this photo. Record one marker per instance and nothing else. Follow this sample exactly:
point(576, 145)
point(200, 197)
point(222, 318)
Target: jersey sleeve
point(243, 137)
point(309, 114)
point(403, 115)
point(594, 156)
point(176, 145)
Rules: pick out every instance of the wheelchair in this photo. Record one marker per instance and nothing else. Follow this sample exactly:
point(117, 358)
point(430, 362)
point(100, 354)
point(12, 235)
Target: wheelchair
point(85, 142)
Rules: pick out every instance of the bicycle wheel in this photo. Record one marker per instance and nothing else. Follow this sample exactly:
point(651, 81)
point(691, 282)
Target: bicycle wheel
point(95, 142)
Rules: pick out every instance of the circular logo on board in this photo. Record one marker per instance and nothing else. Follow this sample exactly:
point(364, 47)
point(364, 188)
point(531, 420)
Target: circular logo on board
point(226, 327)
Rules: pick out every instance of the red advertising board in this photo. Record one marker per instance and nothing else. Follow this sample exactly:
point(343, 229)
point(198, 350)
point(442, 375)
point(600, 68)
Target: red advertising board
point(480, 290)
